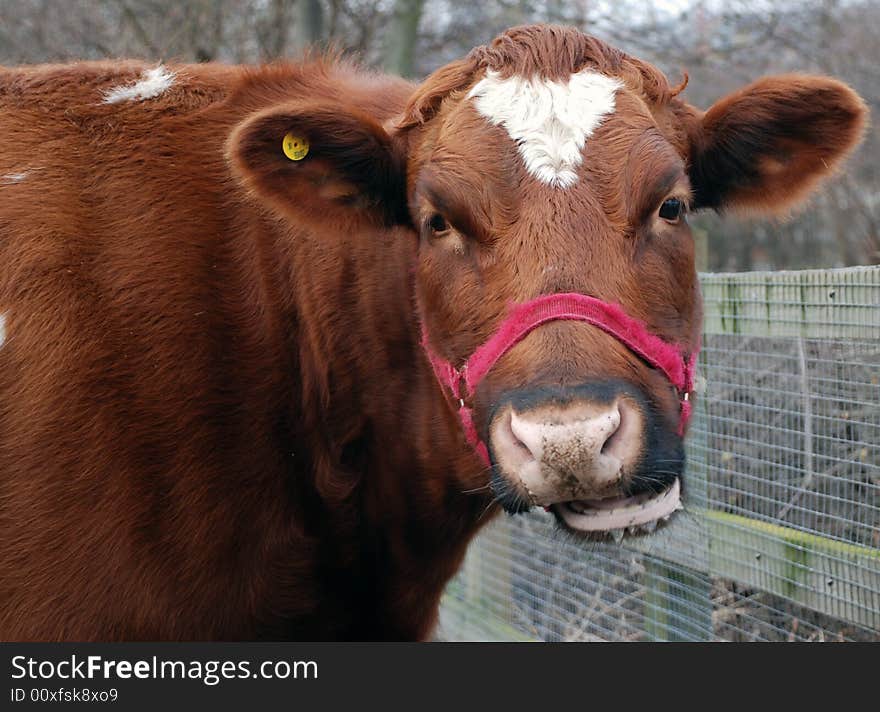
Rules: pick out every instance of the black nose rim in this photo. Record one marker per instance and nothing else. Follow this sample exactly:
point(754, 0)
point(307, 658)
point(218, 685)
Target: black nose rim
point(602, 392)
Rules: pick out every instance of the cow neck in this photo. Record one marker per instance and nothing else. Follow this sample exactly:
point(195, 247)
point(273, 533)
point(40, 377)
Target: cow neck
point(674, 361)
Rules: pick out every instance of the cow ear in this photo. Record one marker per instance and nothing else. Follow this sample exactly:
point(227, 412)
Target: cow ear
point(315, 162)
point(764, 148)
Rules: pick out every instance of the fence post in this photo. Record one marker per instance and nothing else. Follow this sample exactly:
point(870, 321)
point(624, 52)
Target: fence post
point(678, 604)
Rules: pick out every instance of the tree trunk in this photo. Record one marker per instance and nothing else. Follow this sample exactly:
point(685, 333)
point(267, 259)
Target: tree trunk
point(310, 24)
point(401, 40)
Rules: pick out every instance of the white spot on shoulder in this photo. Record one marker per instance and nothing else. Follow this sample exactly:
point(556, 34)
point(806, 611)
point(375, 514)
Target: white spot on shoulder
point(151, 84)
point(2, 329)
point(549, 120)
point(11, 178)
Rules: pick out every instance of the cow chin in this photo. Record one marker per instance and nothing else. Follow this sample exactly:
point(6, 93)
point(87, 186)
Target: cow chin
point(601, 459)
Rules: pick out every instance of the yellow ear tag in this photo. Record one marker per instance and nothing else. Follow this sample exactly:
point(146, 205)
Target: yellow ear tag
point(295, 147)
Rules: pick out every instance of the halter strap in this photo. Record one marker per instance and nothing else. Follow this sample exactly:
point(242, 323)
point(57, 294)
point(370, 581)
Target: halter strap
point(677, 365)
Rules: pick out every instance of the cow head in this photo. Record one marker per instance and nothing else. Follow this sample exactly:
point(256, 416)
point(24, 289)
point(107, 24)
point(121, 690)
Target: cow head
point(550, 163)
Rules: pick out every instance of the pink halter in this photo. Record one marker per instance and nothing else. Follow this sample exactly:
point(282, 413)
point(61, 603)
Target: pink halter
point(523, 318)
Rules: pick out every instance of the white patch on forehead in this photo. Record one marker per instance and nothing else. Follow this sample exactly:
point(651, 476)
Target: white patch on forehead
point(549, 120)
point(151, 84)
point(2, 329)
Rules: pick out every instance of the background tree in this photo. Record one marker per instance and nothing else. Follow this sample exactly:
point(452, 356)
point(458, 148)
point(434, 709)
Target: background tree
point(721, 44)
point(401, 39)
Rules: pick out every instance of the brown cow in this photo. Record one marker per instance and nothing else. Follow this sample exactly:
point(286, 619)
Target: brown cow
point(222, 289)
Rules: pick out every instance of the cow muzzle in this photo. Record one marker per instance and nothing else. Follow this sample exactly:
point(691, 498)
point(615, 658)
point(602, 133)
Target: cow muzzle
point(565, 453)
point(587, 460)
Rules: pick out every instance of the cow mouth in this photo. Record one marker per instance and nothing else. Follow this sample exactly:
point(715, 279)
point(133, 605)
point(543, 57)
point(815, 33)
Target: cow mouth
point(616, 516)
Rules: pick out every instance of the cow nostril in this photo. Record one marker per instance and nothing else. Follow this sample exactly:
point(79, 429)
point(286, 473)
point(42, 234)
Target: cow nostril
point(619, 430)
point(613, 429)
point(521, 446)
point(527, 436)
point(515, 439)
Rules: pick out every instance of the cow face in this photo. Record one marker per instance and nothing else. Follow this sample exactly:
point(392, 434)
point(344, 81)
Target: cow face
point(551, 163)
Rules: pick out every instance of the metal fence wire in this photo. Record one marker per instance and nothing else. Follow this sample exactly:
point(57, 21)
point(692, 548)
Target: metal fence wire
point(780, 537)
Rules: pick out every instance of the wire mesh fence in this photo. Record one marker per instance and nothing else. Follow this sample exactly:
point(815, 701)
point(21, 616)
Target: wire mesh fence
point(780, 537)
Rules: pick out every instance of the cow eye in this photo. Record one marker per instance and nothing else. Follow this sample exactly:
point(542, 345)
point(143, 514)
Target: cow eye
point(438, 224)
point(671, 210)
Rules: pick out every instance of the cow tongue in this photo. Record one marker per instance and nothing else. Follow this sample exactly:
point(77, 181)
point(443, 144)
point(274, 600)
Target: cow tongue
point(618, 513)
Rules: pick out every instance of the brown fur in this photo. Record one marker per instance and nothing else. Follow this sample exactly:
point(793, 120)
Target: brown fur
point(215, 417)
